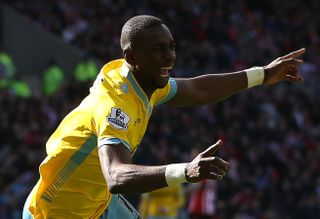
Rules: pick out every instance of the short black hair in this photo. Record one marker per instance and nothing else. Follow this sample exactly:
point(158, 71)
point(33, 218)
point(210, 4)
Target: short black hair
point(134, 26)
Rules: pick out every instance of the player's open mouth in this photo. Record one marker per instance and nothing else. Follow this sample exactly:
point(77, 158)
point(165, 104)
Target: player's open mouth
point(164, 71)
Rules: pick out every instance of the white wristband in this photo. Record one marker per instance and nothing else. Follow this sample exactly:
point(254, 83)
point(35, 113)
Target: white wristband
point(175, 173)
point(255, 76)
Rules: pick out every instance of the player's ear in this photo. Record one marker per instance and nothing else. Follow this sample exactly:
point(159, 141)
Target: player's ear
point(129, 56)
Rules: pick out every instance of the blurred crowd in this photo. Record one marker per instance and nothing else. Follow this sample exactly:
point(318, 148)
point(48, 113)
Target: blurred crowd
point(271, 134)
point(220, 35)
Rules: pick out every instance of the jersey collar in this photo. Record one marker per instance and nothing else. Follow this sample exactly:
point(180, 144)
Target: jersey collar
point(125, 72)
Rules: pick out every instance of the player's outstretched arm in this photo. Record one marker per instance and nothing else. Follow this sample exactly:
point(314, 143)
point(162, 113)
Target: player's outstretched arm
point(211, 88)
point(124, 177)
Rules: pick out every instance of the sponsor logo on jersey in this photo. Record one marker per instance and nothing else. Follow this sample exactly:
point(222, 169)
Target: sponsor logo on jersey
point(118, 119)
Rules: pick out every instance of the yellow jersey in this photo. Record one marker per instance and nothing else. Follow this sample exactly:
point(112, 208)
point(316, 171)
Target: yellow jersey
point(71, 183)
point(164, 202)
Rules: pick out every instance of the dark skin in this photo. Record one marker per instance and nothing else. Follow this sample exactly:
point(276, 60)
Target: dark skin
point(150, 53)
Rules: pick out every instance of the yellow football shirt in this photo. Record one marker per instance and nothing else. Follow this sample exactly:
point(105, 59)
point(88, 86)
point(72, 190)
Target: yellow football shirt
point(71, 183)
point(164, 202)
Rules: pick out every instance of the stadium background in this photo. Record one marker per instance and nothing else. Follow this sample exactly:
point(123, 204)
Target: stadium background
point(271, 134)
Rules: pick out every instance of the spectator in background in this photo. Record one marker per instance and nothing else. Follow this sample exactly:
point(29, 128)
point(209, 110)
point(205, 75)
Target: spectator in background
point(7, 69)
point(7, 66)
point(9, 78)
point(86, 69)
point(52, 79)
point(20, 88)
point(163, 203)
point(202, 202)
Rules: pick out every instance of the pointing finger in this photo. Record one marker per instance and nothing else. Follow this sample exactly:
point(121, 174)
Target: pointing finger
point(294, 54)
point(210, 151)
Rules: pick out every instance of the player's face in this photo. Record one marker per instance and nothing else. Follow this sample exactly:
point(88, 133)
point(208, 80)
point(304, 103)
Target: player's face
point(155, 55)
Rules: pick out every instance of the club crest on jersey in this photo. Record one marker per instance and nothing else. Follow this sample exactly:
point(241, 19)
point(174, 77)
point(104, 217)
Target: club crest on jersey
point(118, 119)
point(124, 88)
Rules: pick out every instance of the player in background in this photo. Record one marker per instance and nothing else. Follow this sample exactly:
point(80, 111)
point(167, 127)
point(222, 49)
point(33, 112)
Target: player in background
point(162, 203)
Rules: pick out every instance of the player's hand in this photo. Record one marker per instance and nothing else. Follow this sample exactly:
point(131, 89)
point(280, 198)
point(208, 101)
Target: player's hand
point(207, 166)
point(284, 68)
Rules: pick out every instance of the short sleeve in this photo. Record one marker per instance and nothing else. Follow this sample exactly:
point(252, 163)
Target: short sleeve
point(165, 94)
point(111, 122)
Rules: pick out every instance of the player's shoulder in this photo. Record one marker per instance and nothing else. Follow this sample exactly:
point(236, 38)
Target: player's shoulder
point(111, 66)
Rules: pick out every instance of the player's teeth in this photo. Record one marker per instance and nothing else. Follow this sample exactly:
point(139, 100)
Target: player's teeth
point(167, 68)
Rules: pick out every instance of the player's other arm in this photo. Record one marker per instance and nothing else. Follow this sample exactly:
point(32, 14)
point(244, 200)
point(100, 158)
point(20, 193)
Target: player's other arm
point(124, 177)
point(211, 88)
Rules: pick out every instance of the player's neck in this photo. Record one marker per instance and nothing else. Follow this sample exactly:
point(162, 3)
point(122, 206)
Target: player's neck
point(147, 89)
